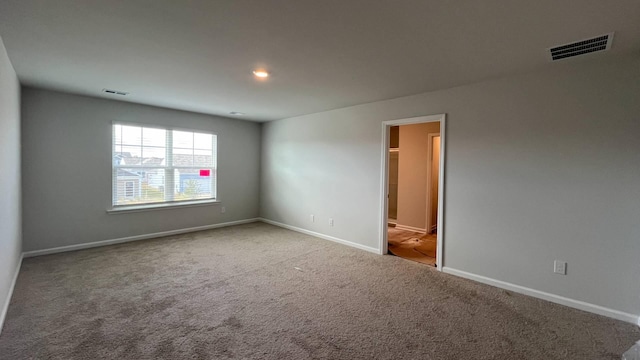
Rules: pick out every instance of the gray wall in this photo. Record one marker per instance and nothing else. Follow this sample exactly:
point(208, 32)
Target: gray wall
point(10, 213)
point(539, 167)
point(67, 170)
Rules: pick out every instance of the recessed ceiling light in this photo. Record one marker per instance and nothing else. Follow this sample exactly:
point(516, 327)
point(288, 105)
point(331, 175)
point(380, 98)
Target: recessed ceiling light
point(261, 73)
point(236, 113)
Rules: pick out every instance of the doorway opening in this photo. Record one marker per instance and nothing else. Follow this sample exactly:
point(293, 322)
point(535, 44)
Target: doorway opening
point(412, 189)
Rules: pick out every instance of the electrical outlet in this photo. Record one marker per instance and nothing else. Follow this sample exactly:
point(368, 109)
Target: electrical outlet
point(330, 222)
point(313, 218)
point(560, 267)
point(223, 209)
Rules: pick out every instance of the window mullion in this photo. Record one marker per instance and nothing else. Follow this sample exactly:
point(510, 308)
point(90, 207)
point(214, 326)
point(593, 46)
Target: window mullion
point(114, 170)
point(214, 167)
point(169, 186)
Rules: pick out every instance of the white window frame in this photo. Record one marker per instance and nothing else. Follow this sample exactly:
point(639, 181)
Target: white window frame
point(169, 172)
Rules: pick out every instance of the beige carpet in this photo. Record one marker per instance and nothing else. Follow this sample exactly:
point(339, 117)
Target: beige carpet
point(260, 292)
point(412, 245)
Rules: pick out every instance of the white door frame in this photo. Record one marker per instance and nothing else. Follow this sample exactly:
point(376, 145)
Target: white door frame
point(430, 137)
point(384, 183)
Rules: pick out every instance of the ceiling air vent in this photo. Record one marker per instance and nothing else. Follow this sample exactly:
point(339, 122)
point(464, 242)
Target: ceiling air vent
point(599, 43)
point(114, 92)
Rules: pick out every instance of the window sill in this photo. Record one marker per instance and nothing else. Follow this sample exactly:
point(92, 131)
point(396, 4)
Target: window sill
point(164, 206)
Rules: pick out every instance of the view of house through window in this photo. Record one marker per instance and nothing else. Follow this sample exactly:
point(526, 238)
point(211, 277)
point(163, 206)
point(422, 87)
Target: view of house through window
point(155, 165)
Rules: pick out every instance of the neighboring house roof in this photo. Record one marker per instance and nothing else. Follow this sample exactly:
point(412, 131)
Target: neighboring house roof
point(131, 160)
point(126, 173)
point(153, 161)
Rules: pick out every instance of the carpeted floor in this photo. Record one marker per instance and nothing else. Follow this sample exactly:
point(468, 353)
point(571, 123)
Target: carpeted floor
point(412, 245)
point(256, 291)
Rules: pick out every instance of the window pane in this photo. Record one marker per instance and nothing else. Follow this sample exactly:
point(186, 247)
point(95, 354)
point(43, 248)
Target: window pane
point(139, 186)
point(182, 139)
point(131, 135)
point(193, 184)
point(154, 137)
point(202, 141)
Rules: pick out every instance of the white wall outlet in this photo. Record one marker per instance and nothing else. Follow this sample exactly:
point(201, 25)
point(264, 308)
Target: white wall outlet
point(560, 267)
point(313, 218)
point(330, 222)
point(223, 209)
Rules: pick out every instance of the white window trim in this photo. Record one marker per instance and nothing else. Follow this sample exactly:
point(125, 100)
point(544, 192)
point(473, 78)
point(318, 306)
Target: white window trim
point(162, 206)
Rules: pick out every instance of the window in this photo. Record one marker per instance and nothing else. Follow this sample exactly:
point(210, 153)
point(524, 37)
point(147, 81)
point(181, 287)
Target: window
point(128, 189)
point(153, 165)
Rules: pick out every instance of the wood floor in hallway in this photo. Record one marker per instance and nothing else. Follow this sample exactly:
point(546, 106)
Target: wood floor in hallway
point(413, 245)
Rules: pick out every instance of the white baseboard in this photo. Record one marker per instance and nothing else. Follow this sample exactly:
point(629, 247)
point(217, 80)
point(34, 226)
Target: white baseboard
point(133, 238)
point(576, 304)
point(5, 307)
point(411, 228)
point(322, 236)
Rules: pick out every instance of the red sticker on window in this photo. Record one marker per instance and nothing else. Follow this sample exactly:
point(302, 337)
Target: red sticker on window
point(205, 172)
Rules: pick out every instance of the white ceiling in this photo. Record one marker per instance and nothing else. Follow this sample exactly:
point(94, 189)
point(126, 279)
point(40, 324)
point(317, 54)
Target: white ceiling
point(323, 54)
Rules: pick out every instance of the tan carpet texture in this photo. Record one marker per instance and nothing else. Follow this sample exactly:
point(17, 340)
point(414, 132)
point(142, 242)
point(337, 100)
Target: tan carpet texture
point(256, 291)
